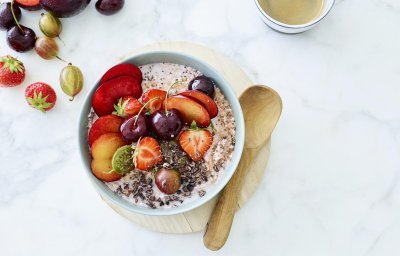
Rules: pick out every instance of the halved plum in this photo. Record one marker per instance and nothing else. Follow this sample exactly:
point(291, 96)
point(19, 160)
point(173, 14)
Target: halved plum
point(111, 91)
point(189, 110)
point(103, 125)
point(124, 69)
point(204, 100)
point(31, 5)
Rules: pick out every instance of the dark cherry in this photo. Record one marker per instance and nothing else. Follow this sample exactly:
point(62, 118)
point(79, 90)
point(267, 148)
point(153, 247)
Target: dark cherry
point(167, 125)
point(203, 84)
point(6, 18)
point(109, 7)
point(168, 181)
point(131, 132)
point(21, 40)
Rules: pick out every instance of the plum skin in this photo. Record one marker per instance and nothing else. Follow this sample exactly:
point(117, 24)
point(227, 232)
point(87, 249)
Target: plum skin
point(64, 8)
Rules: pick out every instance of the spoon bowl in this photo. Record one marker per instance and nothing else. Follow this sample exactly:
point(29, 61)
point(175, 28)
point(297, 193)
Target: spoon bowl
point(262, 108)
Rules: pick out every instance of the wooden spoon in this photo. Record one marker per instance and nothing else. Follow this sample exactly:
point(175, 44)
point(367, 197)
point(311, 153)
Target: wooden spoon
point(262, 107)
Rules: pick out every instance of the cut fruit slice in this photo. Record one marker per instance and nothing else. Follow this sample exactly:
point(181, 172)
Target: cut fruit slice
point(102, 170)
point(204, 100)
point(103, 125)
point(103, 150)
point(31, 5)
point(106, 145)
point(189, 110)
point(111, 91)
point(152, 94)
point(122, 161)
point(124, 69)
point(147, 154)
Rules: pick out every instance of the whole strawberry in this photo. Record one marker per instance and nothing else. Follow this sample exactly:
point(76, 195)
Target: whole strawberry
point(12, 71)
point(40, 96)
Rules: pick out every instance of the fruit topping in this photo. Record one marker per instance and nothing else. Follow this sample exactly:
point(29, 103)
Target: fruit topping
point(71, 80)
point(109, 7)
point(12, 71)
point(124, 69)
point(203, 84)
point(167, 125)
point(20, 38)
point(127, 106)
point(195, 141)
point(64, 8)
point(49, 25)
point(134, 128)
point(6, 16)
point(152, 94)
point(111, 91)
point(41, 96)
point(103, 150)
point(168, 181)
point(147, 154)
point(103, 125)
point(31, 5)
point(189, 110)
point(122, 161)
point(204, 100)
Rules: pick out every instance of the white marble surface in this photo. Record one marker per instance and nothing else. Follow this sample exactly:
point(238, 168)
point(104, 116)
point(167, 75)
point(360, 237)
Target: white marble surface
point(333, 183)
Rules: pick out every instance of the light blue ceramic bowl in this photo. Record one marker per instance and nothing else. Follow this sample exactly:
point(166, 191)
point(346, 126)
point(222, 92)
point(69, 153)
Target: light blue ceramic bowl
point(212, 190)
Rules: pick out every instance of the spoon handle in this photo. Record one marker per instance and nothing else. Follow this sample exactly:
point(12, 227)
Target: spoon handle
point(220, 222)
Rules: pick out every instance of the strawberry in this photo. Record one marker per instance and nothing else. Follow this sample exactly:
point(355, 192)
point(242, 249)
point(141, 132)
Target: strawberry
point(41, 96)
point(151, 94)
point(195, 142)
point(147, 154)
point(127, 106)
point(12, 71)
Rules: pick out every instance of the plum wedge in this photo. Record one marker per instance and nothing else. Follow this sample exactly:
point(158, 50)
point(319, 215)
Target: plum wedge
point(111, 91)
point(124, 69)
point(204, 100)
point(189, 110)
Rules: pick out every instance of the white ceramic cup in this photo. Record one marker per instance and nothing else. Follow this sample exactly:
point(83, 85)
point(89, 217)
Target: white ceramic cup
point(293, 29)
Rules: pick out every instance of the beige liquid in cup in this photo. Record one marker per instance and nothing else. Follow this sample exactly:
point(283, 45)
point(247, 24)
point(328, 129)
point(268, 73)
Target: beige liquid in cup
point(293, 12)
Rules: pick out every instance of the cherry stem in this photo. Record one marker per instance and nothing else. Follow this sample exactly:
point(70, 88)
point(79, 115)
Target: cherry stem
point(15, 18)
point(141, 110)
point(169, 90)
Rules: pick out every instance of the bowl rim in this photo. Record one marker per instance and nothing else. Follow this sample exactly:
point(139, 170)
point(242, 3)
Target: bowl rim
point(305, 25)
point(221, 182)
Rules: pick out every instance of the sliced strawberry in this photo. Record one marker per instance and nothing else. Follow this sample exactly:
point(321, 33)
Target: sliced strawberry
point(41, 96)
point(124, 69)
point(189, 110)
point(195, 142)
point(127, 106)
point(111, 91)
point(204, 100)
point(31, 5)
point(147, 154)
point(103, 125)
point(151, 94)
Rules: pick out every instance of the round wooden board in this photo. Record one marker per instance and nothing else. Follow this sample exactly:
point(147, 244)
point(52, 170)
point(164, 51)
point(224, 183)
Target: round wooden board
point(197, 219)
